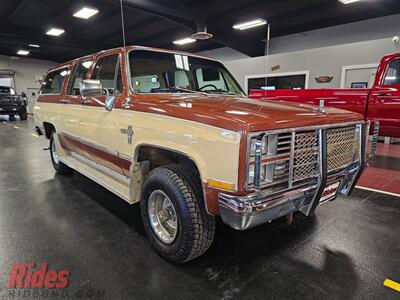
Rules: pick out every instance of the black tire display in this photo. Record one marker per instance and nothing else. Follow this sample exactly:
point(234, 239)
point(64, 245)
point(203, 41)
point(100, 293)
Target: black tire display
point(174, 215)
point(60, 167)
point(23, 114)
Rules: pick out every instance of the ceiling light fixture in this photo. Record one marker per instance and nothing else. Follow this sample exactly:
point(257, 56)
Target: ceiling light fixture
point(348, 1)
point(250, 24)
point(86, 13)
point(55, 31)
point(34, 45)
point(23, 52)
point(184, 41)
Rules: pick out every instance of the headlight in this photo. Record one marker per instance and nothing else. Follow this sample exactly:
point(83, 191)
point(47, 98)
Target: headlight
point(275, 154)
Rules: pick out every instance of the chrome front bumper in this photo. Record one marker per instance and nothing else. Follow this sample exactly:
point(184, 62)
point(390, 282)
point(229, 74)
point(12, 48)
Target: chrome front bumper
point(243, 212)
point(255, 209)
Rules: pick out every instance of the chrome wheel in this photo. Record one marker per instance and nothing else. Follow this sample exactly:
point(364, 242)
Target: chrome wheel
point(162, 216)
point(54, 152)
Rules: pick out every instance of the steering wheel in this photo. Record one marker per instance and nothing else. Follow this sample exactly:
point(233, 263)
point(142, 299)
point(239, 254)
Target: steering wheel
point(106, 92)
point(208, 85)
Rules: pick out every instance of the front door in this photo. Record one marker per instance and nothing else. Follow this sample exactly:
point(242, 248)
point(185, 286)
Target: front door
point(100, 134)
point(384, 104)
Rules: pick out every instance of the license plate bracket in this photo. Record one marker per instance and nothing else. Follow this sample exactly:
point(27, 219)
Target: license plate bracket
point(330, 192)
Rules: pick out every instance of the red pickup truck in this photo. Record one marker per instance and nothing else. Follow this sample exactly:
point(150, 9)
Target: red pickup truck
point(380, 103)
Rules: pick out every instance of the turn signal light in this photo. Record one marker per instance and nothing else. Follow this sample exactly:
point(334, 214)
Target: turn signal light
point(221, 185)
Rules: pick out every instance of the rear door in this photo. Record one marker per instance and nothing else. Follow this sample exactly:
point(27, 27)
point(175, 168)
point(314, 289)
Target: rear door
point(99, 127)
point(71, 103)
point(384, 102)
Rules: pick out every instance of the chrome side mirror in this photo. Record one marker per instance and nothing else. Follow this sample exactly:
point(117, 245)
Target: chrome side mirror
point(109, 103)
point(90, 88)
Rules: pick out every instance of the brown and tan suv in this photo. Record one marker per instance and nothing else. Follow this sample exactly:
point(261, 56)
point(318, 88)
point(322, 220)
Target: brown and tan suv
point(175, 131)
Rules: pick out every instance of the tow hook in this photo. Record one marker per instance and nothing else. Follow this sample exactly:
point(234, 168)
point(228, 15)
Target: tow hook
point(46, 149)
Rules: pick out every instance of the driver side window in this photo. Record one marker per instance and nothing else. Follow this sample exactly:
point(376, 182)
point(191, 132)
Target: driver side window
point(393, 73)
point(109, 76)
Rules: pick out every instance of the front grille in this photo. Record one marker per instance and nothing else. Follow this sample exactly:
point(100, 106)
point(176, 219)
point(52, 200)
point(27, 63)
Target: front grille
point(305, 163)
point(292, 158)
point(343, 147)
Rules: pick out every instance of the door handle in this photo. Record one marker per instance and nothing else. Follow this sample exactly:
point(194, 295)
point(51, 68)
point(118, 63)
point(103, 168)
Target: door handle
point(65, 101)
point(385, 94)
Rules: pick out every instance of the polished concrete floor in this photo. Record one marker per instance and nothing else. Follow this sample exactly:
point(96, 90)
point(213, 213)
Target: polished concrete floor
point(346, 251)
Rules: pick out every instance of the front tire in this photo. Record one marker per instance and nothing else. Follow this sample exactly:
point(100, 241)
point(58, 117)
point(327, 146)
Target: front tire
point(173, 214)
point(60, 167)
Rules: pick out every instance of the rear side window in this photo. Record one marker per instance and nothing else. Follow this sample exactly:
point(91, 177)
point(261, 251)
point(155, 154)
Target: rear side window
point(393, 74)
point(79, 74)
point(54, 81)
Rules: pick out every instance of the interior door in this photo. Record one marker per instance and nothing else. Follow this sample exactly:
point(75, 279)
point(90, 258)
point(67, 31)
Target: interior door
point(31, 95)
point(99, 127)
point(384, 105)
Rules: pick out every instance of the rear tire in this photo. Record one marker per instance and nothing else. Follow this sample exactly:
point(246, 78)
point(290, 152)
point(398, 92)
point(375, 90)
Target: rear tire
point(23, 115)
point(60, 167)
point(181, 229)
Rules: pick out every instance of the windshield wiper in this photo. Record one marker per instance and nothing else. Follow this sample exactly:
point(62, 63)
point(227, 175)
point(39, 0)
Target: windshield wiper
point(173, 89)
point(220, 91)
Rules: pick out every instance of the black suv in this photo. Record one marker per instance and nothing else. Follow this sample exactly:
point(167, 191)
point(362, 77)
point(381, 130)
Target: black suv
point(12, 104)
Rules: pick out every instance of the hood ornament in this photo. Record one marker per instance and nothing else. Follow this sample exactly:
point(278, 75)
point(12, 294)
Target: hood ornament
point(321, 107)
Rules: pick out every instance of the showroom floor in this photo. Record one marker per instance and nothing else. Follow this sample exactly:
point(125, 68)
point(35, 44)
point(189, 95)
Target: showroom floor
point(346, 251)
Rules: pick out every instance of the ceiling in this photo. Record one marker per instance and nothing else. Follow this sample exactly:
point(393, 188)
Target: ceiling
point(157, 23)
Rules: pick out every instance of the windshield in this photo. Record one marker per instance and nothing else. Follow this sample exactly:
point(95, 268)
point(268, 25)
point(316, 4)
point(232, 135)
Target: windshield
point(159, 72)
point(6, 90)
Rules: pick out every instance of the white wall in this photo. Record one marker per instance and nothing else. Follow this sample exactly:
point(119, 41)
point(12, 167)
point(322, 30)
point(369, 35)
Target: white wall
point(320, 61)
point(322, 52)
point(26, 69)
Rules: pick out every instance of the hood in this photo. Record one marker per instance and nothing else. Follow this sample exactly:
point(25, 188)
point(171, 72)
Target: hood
point(239, 113)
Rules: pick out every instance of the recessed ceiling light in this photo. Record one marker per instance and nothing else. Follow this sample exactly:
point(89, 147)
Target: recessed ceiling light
point(348, 1)
point(86, 13)
point(250, 24)
point(23, 52)
point(34, 45)
point(184, 41)
point(55, 31)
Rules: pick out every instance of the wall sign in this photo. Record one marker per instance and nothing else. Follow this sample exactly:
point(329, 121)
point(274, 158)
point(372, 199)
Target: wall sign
point(323, 79)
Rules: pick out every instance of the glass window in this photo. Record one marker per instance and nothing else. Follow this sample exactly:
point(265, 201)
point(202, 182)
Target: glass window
point(393, 74)
point(159, 72)
point(54, 81)
point(278, 82)
point(7, 90)
point(80, 72)
point(105, 71)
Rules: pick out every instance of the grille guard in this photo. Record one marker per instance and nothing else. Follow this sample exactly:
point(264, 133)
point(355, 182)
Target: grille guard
point(261, 206)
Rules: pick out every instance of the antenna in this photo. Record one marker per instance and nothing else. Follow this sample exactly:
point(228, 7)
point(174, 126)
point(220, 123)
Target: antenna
point(122, 24)
point(267, 52)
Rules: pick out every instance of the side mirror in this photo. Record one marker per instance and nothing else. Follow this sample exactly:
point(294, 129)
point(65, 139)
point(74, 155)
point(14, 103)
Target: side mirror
point(90, 88)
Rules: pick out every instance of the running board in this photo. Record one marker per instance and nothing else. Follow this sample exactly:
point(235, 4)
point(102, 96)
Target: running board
point(119, 187)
